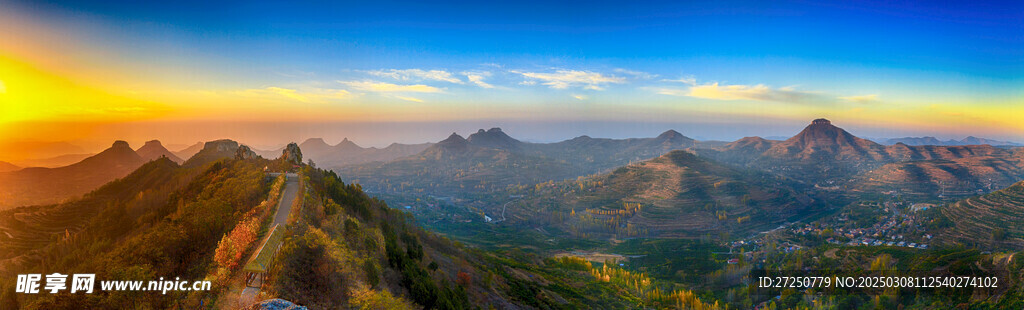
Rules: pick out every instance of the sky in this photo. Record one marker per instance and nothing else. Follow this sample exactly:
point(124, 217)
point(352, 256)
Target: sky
point(377, 72)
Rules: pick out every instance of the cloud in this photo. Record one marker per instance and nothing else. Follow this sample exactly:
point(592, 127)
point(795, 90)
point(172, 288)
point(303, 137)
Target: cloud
point(636, 74)
point(671, 91)
point(478, 78)
point(689, 80)
point(860, 99)
point(382, 87)
point(758, 92)
point(579, 97)
point(315, 95)
point(416, 75)
point(406, 98)
point(563, 79)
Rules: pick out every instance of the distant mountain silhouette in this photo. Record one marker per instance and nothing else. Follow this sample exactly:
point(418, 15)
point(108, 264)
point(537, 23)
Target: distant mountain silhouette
point(53, 162)
point(6, 166)
point(153, 150)
point(48, 185)
point(347, 152)
point(970, 140)
point(23, 150)
point(453, 145)
point(493, 138)
point(190, 151)
point(314, 146)
point(491, 159)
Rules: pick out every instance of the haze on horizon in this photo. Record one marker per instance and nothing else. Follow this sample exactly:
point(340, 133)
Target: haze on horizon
point(265, 73)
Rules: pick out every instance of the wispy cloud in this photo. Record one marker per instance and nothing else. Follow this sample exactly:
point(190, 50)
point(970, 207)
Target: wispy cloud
point(579, 97)
point(688, 80)
point(672, 91)
point(407, 98)
point(860, 99)
point(417, 75)
point(759, 92)
point(383, 87)
point(477, 77)
point(636, 74)
point(563, 79)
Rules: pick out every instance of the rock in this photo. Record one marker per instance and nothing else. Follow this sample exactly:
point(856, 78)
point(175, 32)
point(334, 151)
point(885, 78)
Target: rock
point(244, 152)
point(275, 304)
point(292, 154)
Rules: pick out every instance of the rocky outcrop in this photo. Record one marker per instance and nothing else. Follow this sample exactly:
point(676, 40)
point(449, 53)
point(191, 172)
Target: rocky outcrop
point(292, 154)
point(275, 304)
point(244, 152)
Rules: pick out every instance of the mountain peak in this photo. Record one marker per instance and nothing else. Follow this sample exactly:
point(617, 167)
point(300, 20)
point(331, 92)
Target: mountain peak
point(348, 145)
point(821, 138)
point(493, 138)
point(153, 149)
point(670, 135)
point(221, 145)
point(315, 140)
point(453, 138)
point(120, 144)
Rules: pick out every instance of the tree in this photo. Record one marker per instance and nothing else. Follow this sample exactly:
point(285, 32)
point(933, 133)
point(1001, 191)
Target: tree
point(9, 299)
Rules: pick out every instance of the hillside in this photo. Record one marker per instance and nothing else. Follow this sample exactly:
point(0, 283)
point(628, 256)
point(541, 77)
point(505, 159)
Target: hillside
point(341, 249)
point(994, 219)
point(958, 177)
point(49, 185)
point(675, 195)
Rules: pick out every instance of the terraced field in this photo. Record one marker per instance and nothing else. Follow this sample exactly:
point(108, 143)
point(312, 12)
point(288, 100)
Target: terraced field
point(996, 219)
point(956, 177)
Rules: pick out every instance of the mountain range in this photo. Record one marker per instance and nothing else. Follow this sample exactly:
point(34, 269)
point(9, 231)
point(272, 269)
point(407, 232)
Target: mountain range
point(6, 166)
point(970, 140)
point(491, 160)
point(347, 152)
point(38, 185)
point(825, 154)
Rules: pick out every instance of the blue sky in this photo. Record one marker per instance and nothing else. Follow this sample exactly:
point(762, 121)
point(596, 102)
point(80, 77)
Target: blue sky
point(960, 63)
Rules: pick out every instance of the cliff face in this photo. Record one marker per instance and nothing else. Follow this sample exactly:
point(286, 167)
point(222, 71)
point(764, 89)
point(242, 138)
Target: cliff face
point(292, 154)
